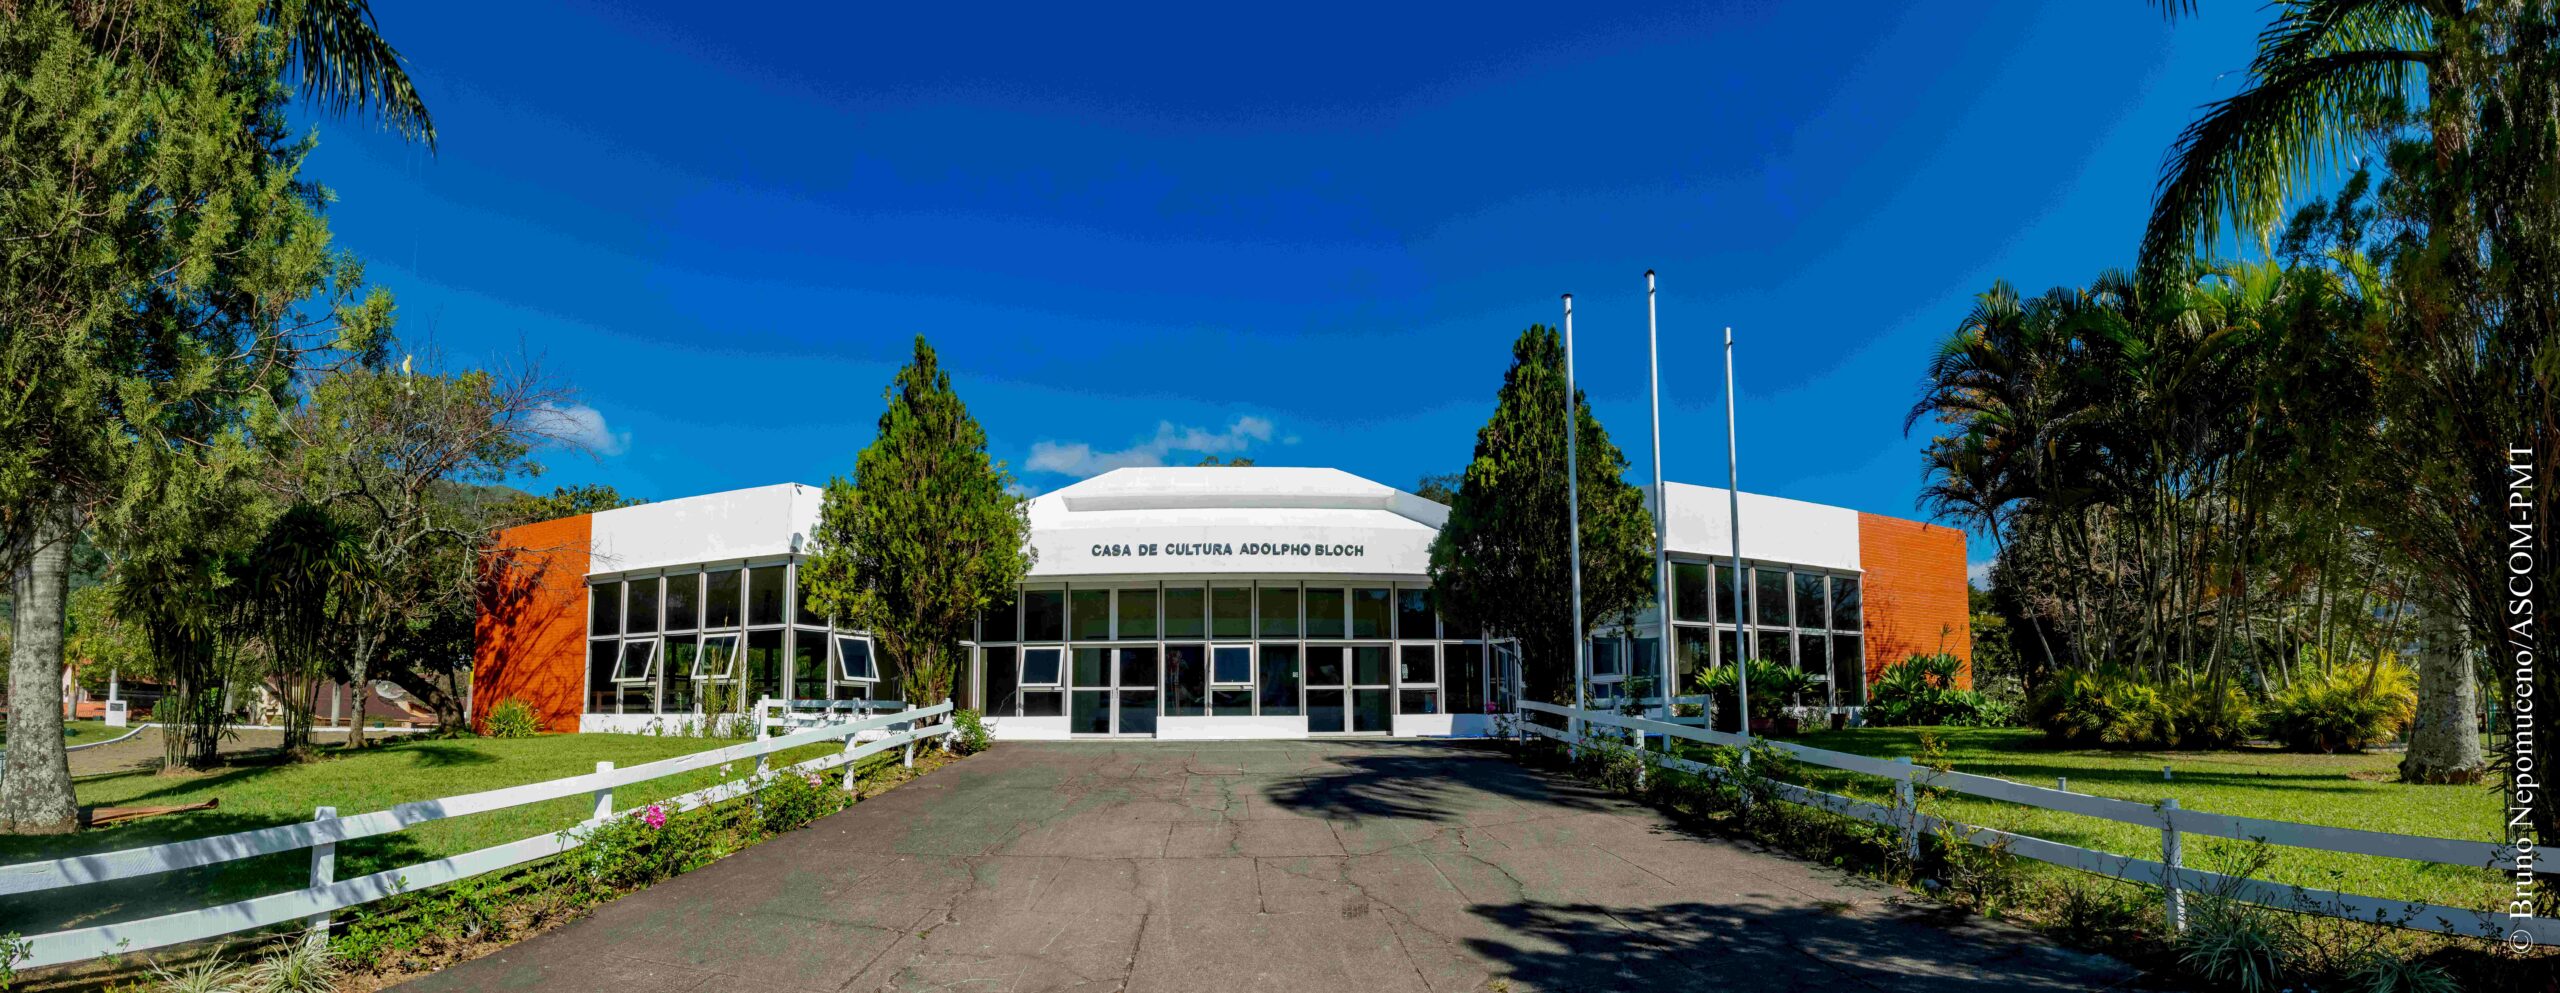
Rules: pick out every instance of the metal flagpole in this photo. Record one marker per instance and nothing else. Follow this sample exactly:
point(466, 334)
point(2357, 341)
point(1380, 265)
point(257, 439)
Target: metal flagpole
point(1741, 580)
point(1661, 501)
point(1573, 523)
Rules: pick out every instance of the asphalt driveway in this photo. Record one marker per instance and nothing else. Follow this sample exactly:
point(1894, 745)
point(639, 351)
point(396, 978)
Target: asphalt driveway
point(1247, 866)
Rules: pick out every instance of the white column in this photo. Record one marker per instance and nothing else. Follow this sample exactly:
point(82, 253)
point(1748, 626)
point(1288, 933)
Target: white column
point(1573, 526)
point(1661, 506)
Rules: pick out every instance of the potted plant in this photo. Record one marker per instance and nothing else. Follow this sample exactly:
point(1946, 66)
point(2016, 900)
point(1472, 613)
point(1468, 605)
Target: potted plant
point(1773, 688)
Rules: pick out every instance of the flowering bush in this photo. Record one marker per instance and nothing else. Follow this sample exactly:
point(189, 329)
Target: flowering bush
point(793, 799)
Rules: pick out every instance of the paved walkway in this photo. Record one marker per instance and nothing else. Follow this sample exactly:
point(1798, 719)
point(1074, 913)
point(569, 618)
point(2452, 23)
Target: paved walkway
point(1249, 866)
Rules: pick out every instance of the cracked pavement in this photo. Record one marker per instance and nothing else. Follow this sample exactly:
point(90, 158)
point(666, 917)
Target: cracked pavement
point(1267, 865)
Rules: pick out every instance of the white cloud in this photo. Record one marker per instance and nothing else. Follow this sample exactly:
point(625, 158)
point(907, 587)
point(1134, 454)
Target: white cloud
point(1979, 574)
point(1079, 458)
point(578, 425)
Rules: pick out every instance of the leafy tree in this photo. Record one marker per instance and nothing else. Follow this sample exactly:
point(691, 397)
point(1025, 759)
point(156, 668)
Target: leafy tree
point(1212, 460)
point(292, 596)
point(562, 501)
point(1503, 562)
point(160, 245)
point(1440, 488)
point(927, 534)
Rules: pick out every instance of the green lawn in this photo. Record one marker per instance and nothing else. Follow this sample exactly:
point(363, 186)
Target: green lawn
point(81, 732)
point(2353, 791)
point(258, 793)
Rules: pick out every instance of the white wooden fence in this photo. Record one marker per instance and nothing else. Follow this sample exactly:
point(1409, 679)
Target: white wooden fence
point(2173, 878)
point(323, 833)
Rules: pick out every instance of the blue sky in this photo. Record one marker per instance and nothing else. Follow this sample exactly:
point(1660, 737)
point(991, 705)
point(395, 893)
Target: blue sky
point(1304, 237)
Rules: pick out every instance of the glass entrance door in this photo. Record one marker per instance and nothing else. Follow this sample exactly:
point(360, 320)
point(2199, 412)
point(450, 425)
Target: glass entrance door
point(1113, 691)
point(1326, 701)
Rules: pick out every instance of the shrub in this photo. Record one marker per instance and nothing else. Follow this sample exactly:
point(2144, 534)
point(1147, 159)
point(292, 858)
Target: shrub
point(653, 844)
point(2206, 717)
point(793, 799)
point(1921, 690)
point(973, 737)
point(514, 717)
point(2344, 709)
point(1774, 687)
point(2104, 706)
point(303, 965)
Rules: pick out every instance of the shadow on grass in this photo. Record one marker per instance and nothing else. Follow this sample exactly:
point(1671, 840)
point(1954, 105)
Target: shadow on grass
point(432, 755)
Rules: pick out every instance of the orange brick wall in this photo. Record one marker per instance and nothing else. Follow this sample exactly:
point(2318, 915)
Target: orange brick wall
point(531, 637)
point(1915, 594)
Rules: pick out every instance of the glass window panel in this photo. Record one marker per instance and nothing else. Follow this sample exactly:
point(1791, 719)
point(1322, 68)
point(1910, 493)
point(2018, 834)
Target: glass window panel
point(1775, 646)
point(854, 661)
point(1186, 680)
point(1369, 665)
point(1769, 596)
point(764, 664)
point(1689, 593)
point(1810, 612)
point(1186, 612)
point(1848, 671)
point(1324, 665)
point(675, 670)
point(997, 623)
point(1644, 662)
point(1372, 614)
point(604, 609)
point(684, 601)
point(1453, 628)
point(1417, 701)
point(1324, 612)
point(1040, 666)
point(1231, 665)
point(809, 676)
point(1413, 615)
point(719, 658)
point(801, 612)
point(1726, 611)
point(1138, 710)
point(1231, 703)
point(1465, 677)
point(639, 662)
point(1002, 674)
point(1138, 614)
point(767, 587)
point(1044, 615)
point(1608, 656)
point(1137, 667)
point(1418, 665)
point(1092, 667)
point(1845, 615)
point(1811, 651)
point(1370, 710)
point(600, 691)
point(1324, 711)
point(720, 599)
point(1091, 713)
point(1692, 652)
point(1092, 610)
point(1279, 679)
point(1043, 703)
point(1231, 612)
point(1279, 612)
point(640, 606)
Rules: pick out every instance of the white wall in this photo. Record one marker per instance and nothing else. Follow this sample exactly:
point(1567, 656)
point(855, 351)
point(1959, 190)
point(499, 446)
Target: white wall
point(1774, 529)
point(714, 527)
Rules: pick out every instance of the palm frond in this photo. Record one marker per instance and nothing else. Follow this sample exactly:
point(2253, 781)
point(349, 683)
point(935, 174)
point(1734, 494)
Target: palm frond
point(343, 64)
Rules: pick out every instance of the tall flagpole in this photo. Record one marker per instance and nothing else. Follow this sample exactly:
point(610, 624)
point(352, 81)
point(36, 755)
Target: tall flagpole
point(1741, 580)
point(1573, 522)
point(1661, 500)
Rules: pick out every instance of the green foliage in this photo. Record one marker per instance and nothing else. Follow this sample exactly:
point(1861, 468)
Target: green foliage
point(2377, 971)
point(562, 501)
point(652, 844)
point(2345, 709)
point(790, 800)
point(1774, 687)
point(2105, 706)
point(2206, 715)
point(2239, 946)
point(926, 535)
point(1922, 690)
point(301, 965)
point(1502, 560)
point(973, 737)
point(513, 717)
point(207, 975)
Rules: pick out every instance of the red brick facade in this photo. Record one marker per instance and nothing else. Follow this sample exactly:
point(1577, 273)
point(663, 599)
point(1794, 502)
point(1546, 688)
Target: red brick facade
point(1916, 597)
point(531, 638)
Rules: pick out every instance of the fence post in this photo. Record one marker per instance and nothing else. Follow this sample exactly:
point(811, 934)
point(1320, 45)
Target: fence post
point(324, 869)
point(2171, 860)
point(909, 729)
point(1909, 798)
point(852, 739)
point(604, 796)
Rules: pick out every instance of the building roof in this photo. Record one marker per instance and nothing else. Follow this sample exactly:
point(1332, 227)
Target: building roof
point(1226, 519)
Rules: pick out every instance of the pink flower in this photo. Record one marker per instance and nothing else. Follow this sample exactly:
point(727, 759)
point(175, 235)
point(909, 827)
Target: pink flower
point(655, 817)
point(815, 781)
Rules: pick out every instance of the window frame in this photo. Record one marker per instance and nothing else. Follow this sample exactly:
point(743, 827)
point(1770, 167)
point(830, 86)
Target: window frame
point(736, 640)
point(836, 658)
point(1249, 659)
point(1058, 663)
point(649, 661)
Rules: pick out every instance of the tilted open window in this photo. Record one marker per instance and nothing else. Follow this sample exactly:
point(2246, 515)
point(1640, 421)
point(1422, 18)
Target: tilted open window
point(1040, 666)
point(718, 659)
point(639, 662)
point(855, 661)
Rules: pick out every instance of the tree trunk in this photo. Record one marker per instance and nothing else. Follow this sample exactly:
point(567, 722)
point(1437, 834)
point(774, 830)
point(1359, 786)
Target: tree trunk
point(35, 788)
point(2444, 744)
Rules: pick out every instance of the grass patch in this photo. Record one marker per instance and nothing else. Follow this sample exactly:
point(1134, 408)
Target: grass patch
point(261, 791)
point(2351, 791)
point(88, 732)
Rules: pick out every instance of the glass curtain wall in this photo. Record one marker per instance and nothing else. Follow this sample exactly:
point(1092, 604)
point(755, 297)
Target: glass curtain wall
point(1348, 655)
point(658, 643)
point(1796, 616)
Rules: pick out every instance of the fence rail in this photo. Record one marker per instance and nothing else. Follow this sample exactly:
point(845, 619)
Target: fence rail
point(2174, 880)
point(324, 832)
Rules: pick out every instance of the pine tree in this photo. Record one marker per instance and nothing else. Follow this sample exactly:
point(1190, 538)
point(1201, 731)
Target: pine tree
point(928, 533)
point(1502, 561)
